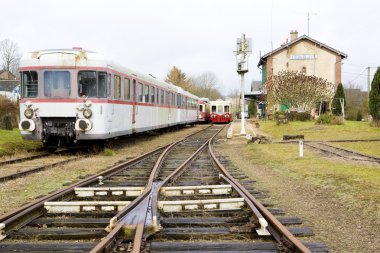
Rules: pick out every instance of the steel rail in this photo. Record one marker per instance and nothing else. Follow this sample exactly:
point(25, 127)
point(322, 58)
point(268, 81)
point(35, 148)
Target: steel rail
point(171, 178)
point(22, 159)
point(116, 223)
point(279, 232)
point(373, 159)
point(36, 169)
point(33, 157)
point(8, 220)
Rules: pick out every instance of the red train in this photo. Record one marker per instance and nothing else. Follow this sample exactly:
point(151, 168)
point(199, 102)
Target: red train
point(204, 110)
point(220, 111)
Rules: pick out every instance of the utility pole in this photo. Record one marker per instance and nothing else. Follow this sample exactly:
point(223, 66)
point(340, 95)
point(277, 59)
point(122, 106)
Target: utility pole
point(243, 49)
point(308, 21)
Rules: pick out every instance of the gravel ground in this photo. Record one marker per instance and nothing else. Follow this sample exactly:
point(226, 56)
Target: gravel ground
point(17, 192)
point(342, 228)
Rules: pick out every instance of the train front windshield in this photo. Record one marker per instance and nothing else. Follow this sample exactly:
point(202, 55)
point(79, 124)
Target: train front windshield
point(57, 84)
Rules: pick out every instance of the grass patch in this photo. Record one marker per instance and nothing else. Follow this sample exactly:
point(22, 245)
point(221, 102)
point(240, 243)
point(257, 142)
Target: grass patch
point(108, 152)
point(351, 130)
point(351, 183)
point(11, 142)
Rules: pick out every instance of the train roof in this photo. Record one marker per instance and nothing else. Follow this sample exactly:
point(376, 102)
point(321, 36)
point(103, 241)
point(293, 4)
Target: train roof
point(78, 57)
point(220, 102)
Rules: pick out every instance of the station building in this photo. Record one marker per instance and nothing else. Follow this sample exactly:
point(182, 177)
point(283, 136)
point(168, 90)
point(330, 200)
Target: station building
point(306, 55)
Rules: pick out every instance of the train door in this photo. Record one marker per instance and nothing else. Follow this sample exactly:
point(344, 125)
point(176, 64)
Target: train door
point(178, 106)
point(169, 103)
point(109, 106)
point(134, 107)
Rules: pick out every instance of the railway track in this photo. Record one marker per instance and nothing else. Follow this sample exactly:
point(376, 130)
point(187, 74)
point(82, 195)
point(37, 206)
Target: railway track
point(15, 168)
point(74, 218)
point(177, 198)
point(342, 152)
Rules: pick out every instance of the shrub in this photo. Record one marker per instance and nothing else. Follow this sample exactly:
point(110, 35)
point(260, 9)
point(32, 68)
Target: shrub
point(324, 119)
point(10, 111)
point(374, 97)
point(359, 116)
point(298, 116)
point(281, 119)
point(108, 152)
point(337, 120)
point(7, 122)
point(276, 114)
point(336, 106)
point(329, 119)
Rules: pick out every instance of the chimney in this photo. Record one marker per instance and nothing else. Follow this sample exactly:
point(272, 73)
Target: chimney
point(293, 35)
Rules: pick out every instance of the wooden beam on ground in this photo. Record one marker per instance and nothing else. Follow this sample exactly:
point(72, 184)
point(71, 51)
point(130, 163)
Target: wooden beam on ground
point(206, 205)
point(196, 190)
point(84, 206)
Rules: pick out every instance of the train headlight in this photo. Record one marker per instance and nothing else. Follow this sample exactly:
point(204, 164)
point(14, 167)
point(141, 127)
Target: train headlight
point(28, 113)
point(87, 113)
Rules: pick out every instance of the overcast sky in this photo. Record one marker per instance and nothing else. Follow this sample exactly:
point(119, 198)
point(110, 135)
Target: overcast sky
point(151, 36)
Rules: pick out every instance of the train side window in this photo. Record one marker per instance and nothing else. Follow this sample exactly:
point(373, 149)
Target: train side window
point(139, 92)
point(227, 108)
point(213, 108)
point(102, 87)
point(178, 100)
point(117, 86)
point(162, 97)
point(109, 85)
point(152, 94)
point(167, 97)
point(157, 95)
point(29, 84)
point(127, 89)
point(146, 93)
point(87, 84)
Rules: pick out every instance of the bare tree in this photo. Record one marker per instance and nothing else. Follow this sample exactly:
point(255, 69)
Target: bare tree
point(234, 96)
point(9, 55)
point(296, 90)
point(206, 85)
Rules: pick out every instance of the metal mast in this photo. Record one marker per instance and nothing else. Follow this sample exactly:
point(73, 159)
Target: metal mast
point(243, 49)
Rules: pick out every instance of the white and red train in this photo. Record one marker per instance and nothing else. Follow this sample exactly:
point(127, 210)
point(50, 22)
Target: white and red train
point(220, 111)
point(74, 95)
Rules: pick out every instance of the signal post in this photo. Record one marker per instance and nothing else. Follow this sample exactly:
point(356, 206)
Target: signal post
point(243, 49)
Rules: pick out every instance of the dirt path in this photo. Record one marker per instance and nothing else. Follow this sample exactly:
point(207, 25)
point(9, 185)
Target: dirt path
point(342, 228)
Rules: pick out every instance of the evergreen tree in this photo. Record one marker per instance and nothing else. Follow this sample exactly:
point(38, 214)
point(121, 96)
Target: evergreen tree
point(178, 78)
point(252, 110)
point(374, 97)
point(336, 103)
